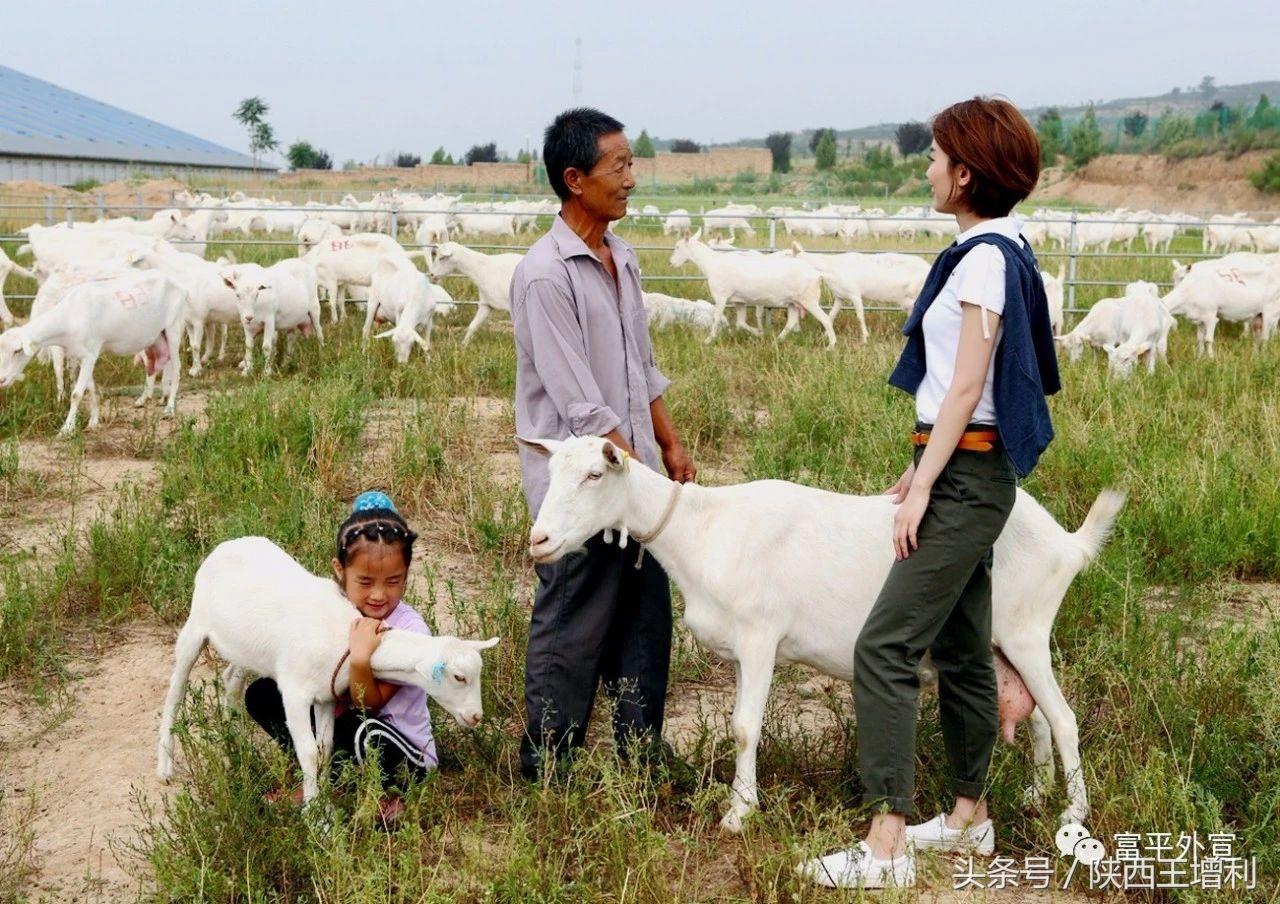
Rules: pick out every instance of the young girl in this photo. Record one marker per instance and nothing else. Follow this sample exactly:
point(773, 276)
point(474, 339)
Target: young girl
point(374, 548)
point(980, 361)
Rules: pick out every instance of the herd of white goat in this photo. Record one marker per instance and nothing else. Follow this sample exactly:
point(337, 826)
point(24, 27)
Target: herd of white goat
point(137, 287)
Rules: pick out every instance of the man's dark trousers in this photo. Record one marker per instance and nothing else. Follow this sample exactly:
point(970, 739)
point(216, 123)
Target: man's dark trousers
point(596, 617)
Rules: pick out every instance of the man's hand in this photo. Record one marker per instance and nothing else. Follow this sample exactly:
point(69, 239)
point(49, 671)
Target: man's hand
point(364, 639)
point(678, 463)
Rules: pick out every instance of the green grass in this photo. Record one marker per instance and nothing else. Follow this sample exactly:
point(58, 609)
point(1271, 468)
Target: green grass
point(1176, 701)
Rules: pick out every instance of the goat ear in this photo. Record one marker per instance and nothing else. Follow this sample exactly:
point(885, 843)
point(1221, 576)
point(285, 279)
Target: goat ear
point(544, 447)
point(697, 236)
point(613, 456)
point(230, 285)
point(28, 346)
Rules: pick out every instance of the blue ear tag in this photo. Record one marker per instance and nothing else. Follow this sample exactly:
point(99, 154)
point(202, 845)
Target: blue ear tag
point(437, 672)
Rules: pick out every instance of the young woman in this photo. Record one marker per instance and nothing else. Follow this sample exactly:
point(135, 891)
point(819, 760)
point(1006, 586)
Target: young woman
point(980, 361)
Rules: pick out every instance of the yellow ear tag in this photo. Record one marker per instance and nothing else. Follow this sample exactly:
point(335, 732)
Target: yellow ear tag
point(626, 461)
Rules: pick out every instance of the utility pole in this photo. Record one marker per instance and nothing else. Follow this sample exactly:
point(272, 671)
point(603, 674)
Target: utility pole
point(577, 72)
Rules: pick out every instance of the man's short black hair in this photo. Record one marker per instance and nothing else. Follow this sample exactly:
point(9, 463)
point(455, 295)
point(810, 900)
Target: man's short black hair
point(573, 140)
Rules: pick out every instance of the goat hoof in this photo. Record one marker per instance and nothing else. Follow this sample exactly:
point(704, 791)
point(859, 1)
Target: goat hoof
point(1069, 815)
point(732, 821)
point(138, 403)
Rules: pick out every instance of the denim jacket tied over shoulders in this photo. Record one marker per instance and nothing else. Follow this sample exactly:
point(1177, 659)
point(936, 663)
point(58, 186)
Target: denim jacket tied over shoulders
point(1026, 366)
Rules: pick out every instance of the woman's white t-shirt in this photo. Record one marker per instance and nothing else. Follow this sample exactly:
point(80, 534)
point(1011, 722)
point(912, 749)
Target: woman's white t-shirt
point(978, 279)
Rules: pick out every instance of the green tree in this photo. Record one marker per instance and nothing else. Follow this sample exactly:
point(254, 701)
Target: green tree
point(1086, 138)
point(1267, 179)
point(1264, 117)
point(252, 114)
point(644, 145)
point(522, 156)
point(1171, 129)
point(1052, 136)
point(913, 138)
point(816, 138)
point(302, 155)
point(779, 144)
point(824, 155)
point(1135, 124)
point(482, 153)
point(439, 156)
point(685, 146)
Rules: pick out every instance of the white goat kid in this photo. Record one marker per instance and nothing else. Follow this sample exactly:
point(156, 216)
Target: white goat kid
point(138, 314)
point(491, 273)
point(756, 279)
point(772, 571)
point(263, 612)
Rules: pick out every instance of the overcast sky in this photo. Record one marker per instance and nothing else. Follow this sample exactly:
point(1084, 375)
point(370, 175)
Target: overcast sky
point(361, 79)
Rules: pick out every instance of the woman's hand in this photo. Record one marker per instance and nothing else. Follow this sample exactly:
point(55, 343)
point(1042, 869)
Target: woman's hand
point(906, 521)
point(899, 490)
point(364, 638)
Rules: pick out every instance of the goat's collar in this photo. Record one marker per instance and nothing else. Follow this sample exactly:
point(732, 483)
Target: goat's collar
point(652, 535)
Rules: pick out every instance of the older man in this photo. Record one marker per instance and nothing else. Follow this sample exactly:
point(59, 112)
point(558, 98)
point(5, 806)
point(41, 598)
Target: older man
point(584, 366)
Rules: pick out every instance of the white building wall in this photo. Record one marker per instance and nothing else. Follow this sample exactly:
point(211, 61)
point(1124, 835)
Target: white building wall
point(68, 171)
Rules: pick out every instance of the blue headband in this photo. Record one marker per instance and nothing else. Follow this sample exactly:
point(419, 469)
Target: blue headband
point(373, 499)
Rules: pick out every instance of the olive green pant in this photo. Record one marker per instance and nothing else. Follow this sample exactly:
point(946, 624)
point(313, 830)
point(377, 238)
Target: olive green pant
point(937, 599)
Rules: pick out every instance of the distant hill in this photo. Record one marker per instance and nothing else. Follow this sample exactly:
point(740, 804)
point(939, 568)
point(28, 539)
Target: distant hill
point(1109, 112)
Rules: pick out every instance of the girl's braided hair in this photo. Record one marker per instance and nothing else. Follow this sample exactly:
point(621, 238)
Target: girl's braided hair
point(375, 525)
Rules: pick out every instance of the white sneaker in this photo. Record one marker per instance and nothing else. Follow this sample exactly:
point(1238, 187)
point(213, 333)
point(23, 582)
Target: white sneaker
point(856, 867)
point(935, 835)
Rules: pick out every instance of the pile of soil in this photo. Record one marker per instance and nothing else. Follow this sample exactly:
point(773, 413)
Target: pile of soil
point(1216, 183)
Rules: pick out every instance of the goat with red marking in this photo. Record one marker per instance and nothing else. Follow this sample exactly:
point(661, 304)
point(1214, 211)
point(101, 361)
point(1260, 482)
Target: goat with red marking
point(93, 318)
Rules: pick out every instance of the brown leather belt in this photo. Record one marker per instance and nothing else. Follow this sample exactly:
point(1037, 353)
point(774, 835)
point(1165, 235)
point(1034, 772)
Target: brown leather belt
point(970, 440)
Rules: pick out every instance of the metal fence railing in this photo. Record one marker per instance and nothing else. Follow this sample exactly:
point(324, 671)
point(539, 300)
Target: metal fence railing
point(1069, 248)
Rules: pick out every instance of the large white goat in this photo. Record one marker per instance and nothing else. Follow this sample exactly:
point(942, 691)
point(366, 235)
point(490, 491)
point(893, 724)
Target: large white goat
point(772, 571)
point(1241, 287)
point(491, 273)
point(277, 299)
point(262, 611)
point(136, 313)
point(776, 280)
point(854, 277)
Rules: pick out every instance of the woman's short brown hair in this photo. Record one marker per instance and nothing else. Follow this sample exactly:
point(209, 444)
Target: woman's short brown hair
point(994, 140)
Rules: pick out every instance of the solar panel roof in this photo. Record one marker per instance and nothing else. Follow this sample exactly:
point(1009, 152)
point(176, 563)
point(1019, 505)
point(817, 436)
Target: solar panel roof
point(38, 118)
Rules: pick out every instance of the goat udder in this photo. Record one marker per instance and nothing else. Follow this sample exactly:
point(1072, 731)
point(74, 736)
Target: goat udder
point(1016, 702)
point(155, 356)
